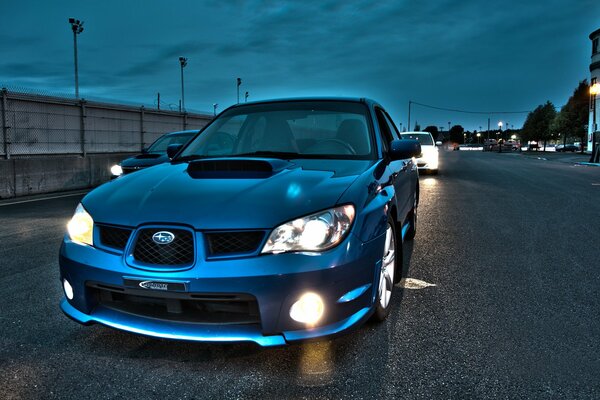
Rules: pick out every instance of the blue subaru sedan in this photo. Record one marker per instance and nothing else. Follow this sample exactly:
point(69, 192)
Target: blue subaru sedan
point(283, 221)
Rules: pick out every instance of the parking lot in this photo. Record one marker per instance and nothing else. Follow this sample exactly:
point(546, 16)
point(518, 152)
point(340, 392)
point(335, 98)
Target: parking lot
point(507, 240)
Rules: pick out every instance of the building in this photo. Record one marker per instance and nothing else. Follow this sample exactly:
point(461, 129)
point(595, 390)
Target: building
point(594, 119)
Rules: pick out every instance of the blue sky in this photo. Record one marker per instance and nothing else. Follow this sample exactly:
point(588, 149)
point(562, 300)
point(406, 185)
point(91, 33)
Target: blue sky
point(473, 55)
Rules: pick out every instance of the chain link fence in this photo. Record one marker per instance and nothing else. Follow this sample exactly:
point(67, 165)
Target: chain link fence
point(40, 124)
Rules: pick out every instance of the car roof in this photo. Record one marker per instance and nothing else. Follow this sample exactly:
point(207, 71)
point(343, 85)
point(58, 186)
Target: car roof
point(416, 133)
point(316, 99)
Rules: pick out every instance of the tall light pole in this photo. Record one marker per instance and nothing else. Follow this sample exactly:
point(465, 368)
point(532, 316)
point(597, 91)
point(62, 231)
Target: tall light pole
point(239, 83)
point(77, 28)
point(594, 91)
point(183, 64)
point(215, 105)
point(246, 97)
point(500, 145)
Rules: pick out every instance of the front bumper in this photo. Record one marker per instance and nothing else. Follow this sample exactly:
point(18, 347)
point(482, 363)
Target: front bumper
point(276, 281)
point(428, 163)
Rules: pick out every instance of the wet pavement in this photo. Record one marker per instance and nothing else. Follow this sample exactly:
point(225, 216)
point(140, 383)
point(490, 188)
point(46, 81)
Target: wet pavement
point(508, 241)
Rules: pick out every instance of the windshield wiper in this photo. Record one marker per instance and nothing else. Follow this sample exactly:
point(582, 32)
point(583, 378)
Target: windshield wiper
point(285, 155)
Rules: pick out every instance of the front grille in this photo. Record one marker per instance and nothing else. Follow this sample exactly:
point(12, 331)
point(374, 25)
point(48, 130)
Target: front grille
point(227, 243)
point(179, 252)
point(114, 237)
point(180, 307)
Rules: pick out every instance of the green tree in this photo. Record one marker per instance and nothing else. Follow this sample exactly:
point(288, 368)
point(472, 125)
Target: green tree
point(456, 134)
point(571, 120)
point(537, 125)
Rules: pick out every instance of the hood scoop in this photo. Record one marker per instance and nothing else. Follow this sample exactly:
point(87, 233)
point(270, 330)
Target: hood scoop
point(234, 168)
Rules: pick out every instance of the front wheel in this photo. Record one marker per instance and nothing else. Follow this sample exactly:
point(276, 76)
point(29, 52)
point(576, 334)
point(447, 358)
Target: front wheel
point(387, 272)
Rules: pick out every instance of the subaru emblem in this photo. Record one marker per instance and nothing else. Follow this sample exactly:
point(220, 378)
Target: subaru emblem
point(163, 237)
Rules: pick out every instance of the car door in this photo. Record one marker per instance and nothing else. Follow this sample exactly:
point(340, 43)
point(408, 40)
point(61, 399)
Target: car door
point(399, 170)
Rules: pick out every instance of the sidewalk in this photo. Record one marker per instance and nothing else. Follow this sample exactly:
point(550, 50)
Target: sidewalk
point(568, 158)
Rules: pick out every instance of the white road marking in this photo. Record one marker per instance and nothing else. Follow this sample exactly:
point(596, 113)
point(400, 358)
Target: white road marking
point(43, 198)
point(410, 283)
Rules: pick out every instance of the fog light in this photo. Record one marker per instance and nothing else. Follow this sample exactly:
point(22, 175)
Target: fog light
point(308, 309)
point(68, 289)
point(116, 170)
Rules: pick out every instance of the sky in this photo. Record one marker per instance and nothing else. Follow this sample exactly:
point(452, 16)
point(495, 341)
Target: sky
point(478, 55)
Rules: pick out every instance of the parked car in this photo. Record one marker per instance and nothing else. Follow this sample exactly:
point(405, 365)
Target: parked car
point(429, 159)
point(567, 147)
point(155, 154)
point(283, 221)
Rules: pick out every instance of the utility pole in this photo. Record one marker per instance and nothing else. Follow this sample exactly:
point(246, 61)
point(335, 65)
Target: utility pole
point(409, 104)
point(77, 28)
point(239, 83)
point(158, 100)
point(183, 63)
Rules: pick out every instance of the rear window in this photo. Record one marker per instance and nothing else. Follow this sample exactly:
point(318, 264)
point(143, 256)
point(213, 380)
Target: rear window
point(423, 138)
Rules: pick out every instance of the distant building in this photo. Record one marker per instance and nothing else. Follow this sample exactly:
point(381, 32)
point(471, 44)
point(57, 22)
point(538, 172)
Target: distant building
point(594, 120)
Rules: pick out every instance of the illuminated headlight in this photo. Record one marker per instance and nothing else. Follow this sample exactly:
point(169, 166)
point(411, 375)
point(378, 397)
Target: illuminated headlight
point(116, 170)
point(431, 158)
point(68, 289)
point(308, 309)
point(81, 226)
point(316, 232)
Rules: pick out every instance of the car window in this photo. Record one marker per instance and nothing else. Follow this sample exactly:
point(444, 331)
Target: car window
point(160, 145)
point(303, 129)
point(392, 126)
point(384, 128)
point(423, 138)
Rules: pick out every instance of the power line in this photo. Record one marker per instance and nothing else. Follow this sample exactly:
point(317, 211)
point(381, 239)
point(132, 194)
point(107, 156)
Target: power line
point(468, 111)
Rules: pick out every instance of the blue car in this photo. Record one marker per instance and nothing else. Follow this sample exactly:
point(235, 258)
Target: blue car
point(154, 154)
point(283, 221)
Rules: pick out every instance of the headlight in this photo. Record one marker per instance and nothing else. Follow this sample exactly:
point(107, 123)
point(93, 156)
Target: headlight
point(116, 170)
point(81, 226)
point(316, 232)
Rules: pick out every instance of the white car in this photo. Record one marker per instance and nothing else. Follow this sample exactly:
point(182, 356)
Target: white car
point(429, 151)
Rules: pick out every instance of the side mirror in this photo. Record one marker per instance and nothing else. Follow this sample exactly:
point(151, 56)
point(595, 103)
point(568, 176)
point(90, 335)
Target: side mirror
point(173, 149)
point(438, 143)
point(405, 148)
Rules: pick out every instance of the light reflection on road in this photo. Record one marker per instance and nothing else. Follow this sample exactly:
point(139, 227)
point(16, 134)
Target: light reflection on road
point(315, 366)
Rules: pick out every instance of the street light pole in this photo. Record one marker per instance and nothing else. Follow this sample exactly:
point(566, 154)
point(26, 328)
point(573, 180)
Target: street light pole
point(239, 83)
point(215, 105)
point(246, 97)
point(500, 145)
point(594, 91)
point(183, 63)
point(77, 28)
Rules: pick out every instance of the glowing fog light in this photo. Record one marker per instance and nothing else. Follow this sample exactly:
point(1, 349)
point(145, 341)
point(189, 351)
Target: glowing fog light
point(68, 289)
point(116, 170)
point(81, 226)
point(308, 309)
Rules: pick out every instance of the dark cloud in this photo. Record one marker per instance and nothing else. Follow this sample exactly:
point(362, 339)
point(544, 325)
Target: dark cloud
point(461, 54)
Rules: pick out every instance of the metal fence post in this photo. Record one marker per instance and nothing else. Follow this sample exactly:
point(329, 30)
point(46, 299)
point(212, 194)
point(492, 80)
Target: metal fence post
point(82, 127)
point(142, 130)
point(5, 124)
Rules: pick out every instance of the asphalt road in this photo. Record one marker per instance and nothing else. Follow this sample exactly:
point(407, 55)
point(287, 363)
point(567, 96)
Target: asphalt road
point(507, 240)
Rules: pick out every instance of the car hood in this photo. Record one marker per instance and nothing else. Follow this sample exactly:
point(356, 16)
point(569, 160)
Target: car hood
point(170, 194)
point(144, 160)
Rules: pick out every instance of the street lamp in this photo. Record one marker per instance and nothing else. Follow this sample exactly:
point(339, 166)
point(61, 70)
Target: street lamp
point(594, 91)
point(215, 105)
point(478, 136)
point(239, 83)
point(246, 97)
point(77, 27)
point(183, 63)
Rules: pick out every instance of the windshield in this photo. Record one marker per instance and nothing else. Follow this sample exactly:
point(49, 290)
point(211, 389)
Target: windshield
point(294, 129)
point(423, 138)
point(160, 145)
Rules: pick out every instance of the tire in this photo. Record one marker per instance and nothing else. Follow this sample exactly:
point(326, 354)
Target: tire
point(412, 219)
point(389, 260)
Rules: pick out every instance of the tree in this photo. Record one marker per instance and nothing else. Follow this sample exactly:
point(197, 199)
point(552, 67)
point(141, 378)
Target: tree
point(456, 134)
point(571, 120)
point(434, 131)
point(537, 125)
